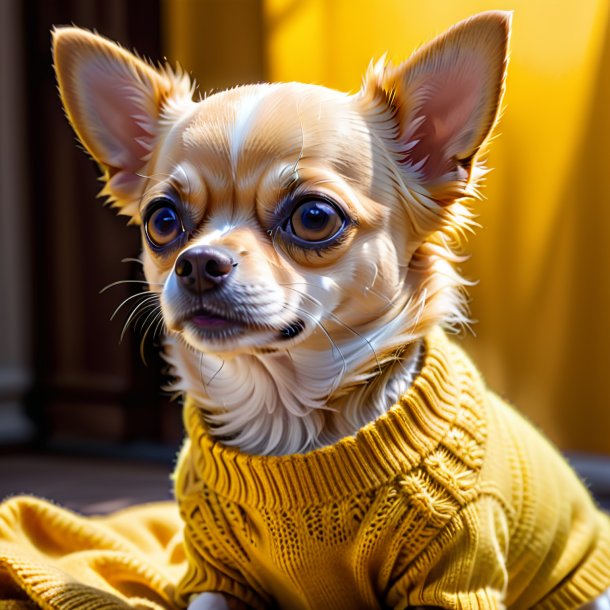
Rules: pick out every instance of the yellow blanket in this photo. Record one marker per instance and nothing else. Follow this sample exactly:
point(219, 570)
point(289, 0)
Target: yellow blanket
point(53, 558)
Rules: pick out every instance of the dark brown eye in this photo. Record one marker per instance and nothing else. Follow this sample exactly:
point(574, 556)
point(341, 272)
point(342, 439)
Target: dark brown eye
point(162, 224)
point(316, 221)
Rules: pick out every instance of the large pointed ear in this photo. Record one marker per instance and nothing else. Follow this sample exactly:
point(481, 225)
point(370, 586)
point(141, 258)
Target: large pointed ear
point(115, 103)
point(446, 100)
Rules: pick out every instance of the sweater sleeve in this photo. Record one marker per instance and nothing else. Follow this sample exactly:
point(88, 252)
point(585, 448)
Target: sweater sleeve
point(208, 573)
point(463, 568)
point(212, 551)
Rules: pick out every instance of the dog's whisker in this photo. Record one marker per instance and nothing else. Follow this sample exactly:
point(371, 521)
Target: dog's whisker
point(145, 310)
point(143, 341)
point(273, 235)
point(318, 323)
point(341, 323)
point(297, 309)
point(390, 302)
point(320, 181)
point(216, 373)
point(149, 301)
point(119, 282)
point(384, 297)
point(162, 175)
point(160, 328)
point(371, 290)
point(189, 190)
point(157, 321)
point(130, 259)
point(146, 295)
point(136, 323)
point(139, 310)
point(157, 177)
point(360, 335)
point(201, 376)
point(155, 313)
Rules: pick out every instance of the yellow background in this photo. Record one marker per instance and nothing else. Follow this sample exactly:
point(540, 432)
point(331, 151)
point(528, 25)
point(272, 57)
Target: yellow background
point(542, 256)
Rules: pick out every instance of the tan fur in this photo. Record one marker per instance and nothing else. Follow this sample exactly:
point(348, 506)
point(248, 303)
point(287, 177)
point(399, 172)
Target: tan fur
point(400, 158)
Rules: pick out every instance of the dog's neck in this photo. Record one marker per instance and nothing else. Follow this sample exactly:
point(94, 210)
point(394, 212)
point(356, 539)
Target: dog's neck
point(292, 401)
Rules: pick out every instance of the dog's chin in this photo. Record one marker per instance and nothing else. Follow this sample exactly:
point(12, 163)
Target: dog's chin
point(224, 337)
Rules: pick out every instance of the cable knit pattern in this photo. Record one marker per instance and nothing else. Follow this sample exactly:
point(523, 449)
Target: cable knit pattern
point(450, 499)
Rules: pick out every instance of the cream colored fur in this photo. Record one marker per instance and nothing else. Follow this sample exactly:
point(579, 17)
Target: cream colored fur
point(235, 158)
point(399, 161)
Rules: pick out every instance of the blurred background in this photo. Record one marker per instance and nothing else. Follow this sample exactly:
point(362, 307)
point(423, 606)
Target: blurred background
point(542, 257)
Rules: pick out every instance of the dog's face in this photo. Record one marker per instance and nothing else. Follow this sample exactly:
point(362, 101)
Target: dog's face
point(263, 218)
point(285, 215)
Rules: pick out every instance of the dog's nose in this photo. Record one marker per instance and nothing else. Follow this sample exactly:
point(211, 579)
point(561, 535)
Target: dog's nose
point(202, 268)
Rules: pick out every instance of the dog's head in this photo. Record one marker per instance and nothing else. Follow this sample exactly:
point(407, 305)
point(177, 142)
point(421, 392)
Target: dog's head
point(288, 216)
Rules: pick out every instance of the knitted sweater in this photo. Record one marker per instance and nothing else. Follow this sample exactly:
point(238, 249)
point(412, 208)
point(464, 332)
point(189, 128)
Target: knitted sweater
point(450, 499)
point(54, 559)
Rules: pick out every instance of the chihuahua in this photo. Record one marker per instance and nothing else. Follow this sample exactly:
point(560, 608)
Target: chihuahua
point(300, 244)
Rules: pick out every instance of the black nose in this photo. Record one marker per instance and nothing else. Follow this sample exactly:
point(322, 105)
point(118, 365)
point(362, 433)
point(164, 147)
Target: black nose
point(202, 268)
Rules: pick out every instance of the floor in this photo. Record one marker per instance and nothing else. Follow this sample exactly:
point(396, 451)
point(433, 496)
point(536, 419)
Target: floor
point(89, 485)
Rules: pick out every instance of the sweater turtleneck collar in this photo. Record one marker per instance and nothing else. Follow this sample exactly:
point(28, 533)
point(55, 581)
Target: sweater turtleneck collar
point(391, 445)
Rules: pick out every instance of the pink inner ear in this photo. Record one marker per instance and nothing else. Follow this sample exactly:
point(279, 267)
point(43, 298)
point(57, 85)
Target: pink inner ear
point(116, 116)
point(448, 122)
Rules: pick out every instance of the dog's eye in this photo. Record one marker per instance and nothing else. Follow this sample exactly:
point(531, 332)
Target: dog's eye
point(316, 221)
point(162, 223)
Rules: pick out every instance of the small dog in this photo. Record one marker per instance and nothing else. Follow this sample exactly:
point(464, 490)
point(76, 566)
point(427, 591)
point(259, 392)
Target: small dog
point(342, 452)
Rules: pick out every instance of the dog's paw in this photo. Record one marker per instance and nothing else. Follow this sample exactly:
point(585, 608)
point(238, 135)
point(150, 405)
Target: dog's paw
point(215, 601)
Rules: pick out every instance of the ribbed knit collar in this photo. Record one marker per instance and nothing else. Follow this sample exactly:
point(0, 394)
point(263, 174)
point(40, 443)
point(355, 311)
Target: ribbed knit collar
point(392, 444)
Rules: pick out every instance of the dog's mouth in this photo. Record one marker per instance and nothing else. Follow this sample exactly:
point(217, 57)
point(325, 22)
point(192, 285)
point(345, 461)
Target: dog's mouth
point(209, 322)
point(217, 326)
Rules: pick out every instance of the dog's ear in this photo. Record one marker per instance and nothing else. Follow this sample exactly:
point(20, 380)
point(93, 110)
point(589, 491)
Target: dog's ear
point(445, 100)
point(115, 103)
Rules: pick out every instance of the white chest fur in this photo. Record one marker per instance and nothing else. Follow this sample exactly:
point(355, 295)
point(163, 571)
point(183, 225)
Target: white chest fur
point(288, 402)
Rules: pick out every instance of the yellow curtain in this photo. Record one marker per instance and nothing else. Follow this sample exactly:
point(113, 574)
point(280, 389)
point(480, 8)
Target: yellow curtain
point(542, 256)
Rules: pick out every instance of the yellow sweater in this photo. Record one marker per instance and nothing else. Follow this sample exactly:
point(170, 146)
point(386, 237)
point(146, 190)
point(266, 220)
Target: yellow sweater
point(451, 499)
point(53, 559)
